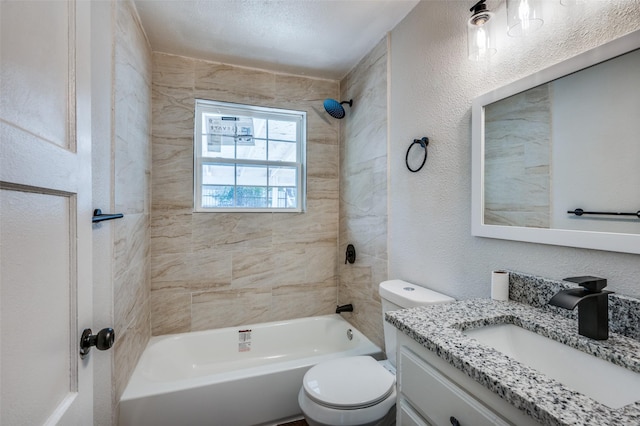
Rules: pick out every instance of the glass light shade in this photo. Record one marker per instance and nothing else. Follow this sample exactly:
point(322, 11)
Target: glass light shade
point(570, 3)
point(523, 17)
point(481, 36)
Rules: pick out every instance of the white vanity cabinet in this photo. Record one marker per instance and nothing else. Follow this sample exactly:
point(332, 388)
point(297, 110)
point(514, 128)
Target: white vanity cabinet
point(432, 392)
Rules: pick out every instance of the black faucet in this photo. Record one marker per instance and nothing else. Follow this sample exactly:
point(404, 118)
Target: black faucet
point(593, 302)
point(344, 308)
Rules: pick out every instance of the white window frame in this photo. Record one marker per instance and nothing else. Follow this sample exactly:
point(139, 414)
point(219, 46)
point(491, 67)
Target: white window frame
point(231, 109)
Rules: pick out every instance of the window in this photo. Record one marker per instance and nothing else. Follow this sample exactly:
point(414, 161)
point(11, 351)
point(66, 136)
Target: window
point(248, 158)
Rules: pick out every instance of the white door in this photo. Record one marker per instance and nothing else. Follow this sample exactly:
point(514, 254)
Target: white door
point(45, 212)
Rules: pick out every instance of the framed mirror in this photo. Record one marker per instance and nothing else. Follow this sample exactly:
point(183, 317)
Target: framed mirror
point(556, 155)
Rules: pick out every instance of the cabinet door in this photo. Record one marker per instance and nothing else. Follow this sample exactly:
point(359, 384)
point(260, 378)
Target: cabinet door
point(407, 416)
point(437, 398)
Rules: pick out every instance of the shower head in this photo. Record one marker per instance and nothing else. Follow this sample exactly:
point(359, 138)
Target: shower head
point(335, 109)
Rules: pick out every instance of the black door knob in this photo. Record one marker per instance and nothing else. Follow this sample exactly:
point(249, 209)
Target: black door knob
point(102, 341)
point(351, 254)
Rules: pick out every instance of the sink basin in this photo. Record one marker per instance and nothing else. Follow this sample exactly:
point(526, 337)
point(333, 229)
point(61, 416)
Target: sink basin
point(609, 384)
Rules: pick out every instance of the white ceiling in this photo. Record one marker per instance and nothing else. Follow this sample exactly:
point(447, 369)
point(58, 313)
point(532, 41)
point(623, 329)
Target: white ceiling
point(320, 38)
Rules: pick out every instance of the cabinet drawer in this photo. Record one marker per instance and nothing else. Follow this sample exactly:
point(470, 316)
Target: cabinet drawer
point(437, 398)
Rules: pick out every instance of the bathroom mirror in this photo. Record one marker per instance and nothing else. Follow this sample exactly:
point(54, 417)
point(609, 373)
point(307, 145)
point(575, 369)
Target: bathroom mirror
point(566, 139)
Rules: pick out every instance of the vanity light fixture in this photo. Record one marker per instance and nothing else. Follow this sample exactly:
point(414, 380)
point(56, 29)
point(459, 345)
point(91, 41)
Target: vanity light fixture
point(481, 32)
point(523, 17)
point(570, 3)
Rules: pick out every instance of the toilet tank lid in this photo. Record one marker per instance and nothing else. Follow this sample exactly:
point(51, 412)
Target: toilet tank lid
point(407, 295)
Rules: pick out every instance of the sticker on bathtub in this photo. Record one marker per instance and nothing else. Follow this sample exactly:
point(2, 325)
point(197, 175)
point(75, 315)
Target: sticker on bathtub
point(244, 340)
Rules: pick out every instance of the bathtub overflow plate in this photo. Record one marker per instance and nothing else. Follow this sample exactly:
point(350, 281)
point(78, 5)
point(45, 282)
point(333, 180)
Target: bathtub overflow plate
point(350, 334)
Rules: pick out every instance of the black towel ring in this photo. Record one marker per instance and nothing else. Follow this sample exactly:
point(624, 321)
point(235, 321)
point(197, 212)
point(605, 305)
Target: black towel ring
point(423, 143)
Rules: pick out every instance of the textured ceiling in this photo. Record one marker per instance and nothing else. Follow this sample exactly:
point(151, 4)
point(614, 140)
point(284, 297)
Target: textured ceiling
point(321, 38)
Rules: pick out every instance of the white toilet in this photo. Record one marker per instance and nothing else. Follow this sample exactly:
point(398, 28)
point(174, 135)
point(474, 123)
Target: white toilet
point(358, 390)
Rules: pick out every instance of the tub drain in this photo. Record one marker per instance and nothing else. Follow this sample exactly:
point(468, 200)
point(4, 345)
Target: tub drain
point(350, 334)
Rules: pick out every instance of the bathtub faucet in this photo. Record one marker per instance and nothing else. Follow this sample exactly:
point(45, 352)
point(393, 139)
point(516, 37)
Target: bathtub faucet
point(344, 308)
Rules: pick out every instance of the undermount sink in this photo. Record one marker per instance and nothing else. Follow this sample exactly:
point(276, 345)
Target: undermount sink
point(607, 383)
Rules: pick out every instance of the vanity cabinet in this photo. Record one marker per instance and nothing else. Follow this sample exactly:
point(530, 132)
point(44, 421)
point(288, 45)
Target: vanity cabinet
point(432, 392)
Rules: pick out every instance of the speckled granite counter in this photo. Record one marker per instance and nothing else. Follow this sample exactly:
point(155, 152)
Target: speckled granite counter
point(439, 329)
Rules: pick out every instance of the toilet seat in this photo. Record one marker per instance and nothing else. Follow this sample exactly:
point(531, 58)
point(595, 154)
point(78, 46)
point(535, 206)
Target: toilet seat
point(348, 383)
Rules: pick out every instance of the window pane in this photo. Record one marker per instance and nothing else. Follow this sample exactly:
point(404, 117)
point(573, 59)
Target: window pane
point(256, 151)
point(283, 176)
point(252, 175)
point(260, 128)
point(217, 196)
point(283, 198)
point(282, 151)
point(283, 130)
point(218, 146)
point(251, 196)
point(218, 174)
point(250, 157)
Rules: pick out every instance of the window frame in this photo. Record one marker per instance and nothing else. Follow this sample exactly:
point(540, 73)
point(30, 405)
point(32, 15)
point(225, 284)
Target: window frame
point(202, 107)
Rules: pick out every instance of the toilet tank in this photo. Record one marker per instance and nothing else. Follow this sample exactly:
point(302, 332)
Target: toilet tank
point(398, 294)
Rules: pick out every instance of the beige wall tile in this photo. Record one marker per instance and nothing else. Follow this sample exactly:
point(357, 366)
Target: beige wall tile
point(173, 71)
point(363, 191)
point(170, 233)
point(303, 300)
point(220, 82)
point(128, 347)
point(172, 112)
point(290, 264)
point(230, 308)
point(233, 231)
point(253, 268)
point(195, 271)
point(170, 311)
point(323, 161)
point(131, 164)
point(307, 91)
point(172, 180)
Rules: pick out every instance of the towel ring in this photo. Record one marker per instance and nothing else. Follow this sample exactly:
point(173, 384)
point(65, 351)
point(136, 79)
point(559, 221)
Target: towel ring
point(423, 143)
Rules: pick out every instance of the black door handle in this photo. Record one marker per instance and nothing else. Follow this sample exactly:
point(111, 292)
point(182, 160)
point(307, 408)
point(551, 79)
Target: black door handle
point(102, 341)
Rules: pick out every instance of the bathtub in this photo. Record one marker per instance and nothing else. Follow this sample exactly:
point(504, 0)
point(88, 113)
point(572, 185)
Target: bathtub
point(248, 375)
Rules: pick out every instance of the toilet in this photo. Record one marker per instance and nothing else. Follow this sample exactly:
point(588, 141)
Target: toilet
point(358, 390)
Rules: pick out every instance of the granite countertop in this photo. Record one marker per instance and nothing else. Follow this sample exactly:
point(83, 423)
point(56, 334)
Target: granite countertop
point(439, 328)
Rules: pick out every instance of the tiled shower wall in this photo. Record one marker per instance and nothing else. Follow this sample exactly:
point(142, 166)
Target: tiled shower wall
point(363, 191)
point(131, 168)
point(213, 270)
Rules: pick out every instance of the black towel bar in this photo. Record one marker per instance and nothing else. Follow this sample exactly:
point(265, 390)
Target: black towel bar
point(99, 217)
point(580, 212)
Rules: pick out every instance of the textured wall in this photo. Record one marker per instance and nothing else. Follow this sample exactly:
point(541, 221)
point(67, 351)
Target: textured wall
point(213, 270)
point(432, 86)
point(363, 191)
point(131, 169)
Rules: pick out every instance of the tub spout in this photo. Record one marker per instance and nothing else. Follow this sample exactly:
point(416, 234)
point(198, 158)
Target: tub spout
point(344, 308)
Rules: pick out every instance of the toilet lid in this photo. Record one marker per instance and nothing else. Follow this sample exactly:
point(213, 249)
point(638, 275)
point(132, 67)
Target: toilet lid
point(352, 382)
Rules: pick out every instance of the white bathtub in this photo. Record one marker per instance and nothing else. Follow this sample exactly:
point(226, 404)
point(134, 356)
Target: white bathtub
point(235, 376)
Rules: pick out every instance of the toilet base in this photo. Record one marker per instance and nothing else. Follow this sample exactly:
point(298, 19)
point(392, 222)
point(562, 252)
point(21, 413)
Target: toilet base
point(388, 420)
point(383, 414)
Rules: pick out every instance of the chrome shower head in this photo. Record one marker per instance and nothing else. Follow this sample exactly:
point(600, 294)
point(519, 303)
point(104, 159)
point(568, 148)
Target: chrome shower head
point(335, 109)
